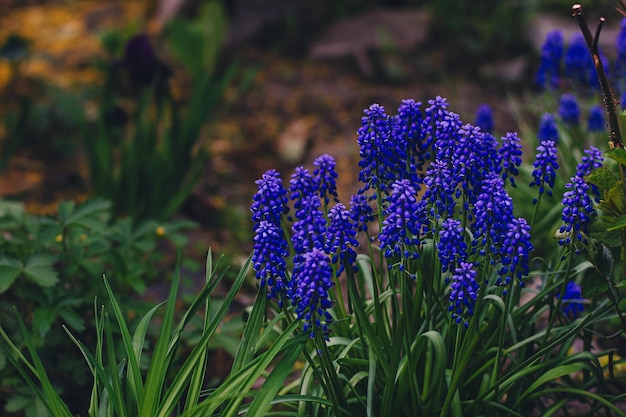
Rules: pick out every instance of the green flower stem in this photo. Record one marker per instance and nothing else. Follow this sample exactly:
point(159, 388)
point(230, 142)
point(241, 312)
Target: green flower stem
point(475, 335)
point(497, 366)
point(557, 308)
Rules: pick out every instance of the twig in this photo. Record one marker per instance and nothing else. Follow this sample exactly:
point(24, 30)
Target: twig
point(608, 98)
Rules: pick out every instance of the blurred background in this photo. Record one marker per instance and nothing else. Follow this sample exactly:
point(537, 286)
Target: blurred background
point(288, 81)
point(169, 110)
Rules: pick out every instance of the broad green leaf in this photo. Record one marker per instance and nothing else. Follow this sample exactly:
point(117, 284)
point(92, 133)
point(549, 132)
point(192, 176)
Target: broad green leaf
point(616, 154)
point(593, 284)
point(39, 268)
point(17, 402)
point(603, 178)
point(72, 319)
point(619, 223)
point(8, 274)
point(43, 317)
point(95, 207)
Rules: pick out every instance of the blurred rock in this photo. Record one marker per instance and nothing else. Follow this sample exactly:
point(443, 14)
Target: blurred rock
point(294, 141)
point(373, 30)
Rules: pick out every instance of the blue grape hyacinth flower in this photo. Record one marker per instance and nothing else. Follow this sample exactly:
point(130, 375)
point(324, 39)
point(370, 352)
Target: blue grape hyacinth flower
point(312, 276)
point(514, 252)
point(577, 212)
point(341, 237)
point(269, 259)
point(510, 156)
point(571, 304)
point(270, 201)
point(451, 248)
point(401, 228)
point(545, 167)
point(382, 150)
point(326, 176)
point(463, 292)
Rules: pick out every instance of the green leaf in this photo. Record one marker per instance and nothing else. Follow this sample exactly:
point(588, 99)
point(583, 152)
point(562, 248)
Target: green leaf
point(10, 269)
point(39, 268)
point(92, 214)
point(17, 402)
point(603, 178)
point(593, 285)
point(72, 319)
point(43, 317)
point(616, 154)
point(614, 200)
point(619, 223)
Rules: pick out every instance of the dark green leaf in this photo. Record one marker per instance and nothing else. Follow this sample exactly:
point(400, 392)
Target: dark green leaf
point(43, 317)
point(39, 267)
point(619, 223)
point(72, 319)
point(593, 285)
point(10, 269)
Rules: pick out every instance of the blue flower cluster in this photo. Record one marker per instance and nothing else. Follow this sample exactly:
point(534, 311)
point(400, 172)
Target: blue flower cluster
point(430, 177)
point(269, 205)
point(573, 66)
point(321, 247)
point(571, 305)
point(399, 236)
point(546, 165)
point(577, 212)
point(463, 292)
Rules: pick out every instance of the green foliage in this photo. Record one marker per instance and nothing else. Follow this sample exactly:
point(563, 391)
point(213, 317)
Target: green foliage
point(135, 380)
point(50, 269)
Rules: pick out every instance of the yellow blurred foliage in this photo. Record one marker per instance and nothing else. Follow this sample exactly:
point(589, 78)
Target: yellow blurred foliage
point(65, 38)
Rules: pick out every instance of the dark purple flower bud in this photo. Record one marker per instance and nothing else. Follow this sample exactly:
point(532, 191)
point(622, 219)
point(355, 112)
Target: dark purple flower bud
point(484, 118)
point(579, 66)
point(569, 111)
point(549, 72)
point(548, 129)
point(382, 150)
point(596, 122)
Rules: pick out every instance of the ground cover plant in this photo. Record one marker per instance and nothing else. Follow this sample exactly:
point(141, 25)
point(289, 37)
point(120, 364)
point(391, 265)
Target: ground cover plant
point(464, 278)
